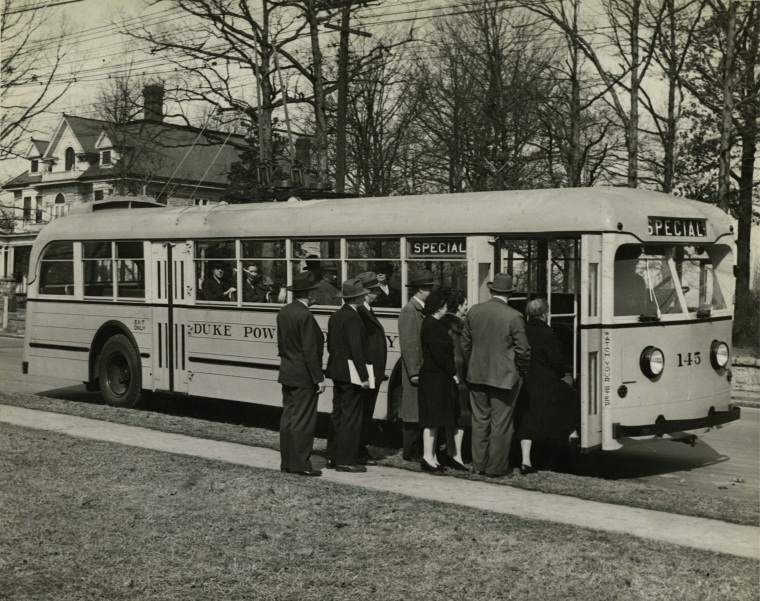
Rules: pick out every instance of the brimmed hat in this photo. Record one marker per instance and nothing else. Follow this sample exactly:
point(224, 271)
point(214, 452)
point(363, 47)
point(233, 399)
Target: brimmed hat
point(421, 278)
point(352, 288)
point(502, 282)
point(303, 281)
point(326, 265)
point(369, 279)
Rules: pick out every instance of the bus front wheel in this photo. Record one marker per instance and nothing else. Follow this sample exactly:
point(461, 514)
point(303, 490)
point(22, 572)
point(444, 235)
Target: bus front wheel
point(119, 373)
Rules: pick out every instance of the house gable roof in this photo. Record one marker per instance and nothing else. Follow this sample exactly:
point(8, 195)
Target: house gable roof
point(36, 149)
point(184, 154)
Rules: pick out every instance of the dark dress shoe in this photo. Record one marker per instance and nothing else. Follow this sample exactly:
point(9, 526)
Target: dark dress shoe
point(368, 461)
point(479, 473)
point(353, 469)
point(309, 473)
point(432, 469)
point(284, 469)
point(528, 469)
point(455, 465)
point(330, 464)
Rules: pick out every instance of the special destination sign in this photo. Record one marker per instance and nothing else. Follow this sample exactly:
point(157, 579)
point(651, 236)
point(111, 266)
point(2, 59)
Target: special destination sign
point(437, 248)
point(677, 226)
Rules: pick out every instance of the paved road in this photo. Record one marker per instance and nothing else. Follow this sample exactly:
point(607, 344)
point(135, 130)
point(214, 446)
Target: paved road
point(725, 462)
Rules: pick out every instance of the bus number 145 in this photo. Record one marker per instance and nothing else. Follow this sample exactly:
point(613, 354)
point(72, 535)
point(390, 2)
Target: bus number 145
point(689, 359)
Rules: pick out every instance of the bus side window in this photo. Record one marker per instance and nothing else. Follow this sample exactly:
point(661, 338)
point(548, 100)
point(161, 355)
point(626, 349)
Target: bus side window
point(98, 268)
point(130, 270)
point(263, 271)
point(383, 257)
point(630, 287)
point(57, 269)
point(322, 258)
point(216, 271)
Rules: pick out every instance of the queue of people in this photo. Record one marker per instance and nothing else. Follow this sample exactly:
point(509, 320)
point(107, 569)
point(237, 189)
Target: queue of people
point(461, 371)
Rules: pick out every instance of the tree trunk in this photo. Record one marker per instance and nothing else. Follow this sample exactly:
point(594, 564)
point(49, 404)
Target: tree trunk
point(724, 156)
point(669, 143)
point(632, 135)
point(574, 162)
point(320, 119)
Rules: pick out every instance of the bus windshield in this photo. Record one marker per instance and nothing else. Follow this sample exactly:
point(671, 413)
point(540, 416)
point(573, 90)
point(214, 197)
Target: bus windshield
point(648, 279)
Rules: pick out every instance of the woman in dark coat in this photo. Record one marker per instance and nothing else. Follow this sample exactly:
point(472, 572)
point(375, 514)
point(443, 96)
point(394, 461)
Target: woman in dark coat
point(438, 380)
point(550, 406)
point(454, 321)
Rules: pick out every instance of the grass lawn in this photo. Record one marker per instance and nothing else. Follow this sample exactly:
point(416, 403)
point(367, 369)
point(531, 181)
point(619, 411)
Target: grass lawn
point(91, 520)
point(192, 417)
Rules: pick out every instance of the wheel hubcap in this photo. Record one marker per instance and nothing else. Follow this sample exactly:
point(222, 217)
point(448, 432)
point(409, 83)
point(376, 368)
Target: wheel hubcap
point(119, 376)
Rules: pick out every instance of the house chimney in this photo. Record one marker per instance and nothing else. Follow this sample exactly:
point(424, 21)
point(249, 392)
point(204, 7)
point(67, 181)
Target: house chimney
point(303, 152)
point(153, 102)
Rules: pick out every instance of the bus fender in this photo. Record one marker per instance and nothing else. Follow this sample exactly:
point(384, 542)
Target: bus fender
point(106, 331)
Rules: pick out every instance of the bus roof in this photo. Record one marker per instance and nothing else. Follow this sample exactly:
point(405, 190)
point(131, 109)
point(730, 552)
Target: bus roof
point(547, 211)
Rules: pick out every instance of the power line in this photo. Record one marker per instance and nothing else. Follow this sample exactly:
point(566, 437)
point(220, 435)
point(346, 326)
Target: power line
point(40, 6)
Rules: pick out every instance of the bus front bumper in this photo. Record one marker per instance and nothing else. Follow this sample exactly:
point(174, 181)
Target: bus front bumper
point(664, 426)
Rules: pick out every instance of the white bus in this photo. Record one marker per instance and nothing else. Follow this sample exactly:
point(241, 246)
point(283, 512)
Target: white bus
point(119, 293)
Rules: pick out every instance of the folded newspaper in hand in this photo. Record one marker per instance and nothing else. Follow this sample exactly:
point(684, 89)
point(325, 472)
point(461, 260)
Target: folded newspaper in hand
point(355, 379)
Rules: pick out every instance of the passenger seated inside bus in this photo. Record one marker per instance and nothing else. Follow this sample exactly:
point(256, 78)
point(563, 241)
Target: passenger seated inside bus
point(217, 287)
point(254, 287)
point(632, 297)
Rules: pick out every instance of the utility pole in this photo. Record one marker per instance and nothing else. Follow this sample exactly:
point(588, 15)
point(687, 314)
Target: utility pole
point(340, 125)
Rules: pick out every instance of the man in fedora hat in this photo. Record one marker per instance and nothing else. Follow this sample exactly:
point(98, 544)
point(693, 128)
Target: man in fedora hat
point(377, 355)
point(496, 350)
point(347, 341)
point(300, 345)
point(420, 285)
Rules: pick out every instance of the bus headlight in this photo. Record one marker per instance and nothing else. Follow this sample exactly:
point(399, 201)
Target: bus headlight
point(652, 362)
point(719, 354)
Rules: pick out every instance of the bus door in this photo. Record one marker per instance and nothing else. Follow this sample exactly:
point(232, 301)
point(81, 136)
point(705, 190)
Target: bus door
point(169, 334)
point(550, 269)
point(591, 354)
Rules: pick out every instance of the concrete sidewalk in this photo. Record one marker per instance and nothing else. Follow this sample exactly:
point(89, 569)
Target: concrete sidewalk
point(699, 533)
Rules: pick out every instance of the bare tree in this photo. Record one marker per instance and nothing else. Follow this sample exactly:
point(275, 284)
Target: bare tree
point(33, 74)
point(137, 145)
point(678, 28)
point(581, 137)
point(381, 110)
point(479, 98)
point(226, 42)
point(626, 28)
point(723, 76)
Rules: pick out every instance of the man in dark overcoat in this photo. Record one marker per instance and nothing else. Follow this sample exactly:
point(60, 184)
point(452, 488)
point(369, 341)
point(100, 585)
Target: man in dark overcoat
point(300, 345)
point(377, 356)
point(347, 341)
point(420, 285)
point(496, 349)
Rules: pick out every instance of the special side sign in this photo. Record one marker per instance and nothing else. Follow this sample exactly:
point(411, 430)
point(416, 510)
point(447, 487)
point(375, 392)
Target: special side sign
point(677, 226)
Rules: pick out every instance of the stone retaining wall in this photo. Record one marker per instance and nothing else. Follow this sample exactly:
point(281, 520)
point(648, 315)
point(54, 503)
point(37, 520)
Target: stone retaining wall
point(746, 374)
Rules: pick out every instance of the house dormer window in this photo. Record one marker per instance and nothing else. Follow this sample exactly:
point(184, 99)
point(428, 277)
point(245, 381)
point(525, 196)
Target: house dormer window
point(105, 157)
point(70, 159)
point(35, 166)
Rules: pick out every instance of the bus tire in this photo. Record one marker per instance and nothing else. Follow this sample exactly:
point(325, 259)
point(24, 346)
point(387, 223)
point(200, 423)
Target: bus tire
point(120, 373)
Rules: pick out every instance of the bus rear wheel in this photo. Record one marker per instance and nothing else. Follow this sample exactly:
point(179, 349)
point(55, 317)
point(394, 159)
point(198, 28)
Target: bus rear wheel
point(119, 373)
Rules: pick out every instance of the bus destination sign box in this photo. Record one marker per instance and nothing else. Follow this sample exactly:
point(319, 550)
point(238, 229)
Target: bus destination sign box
point(440, 248)
point(677, 226)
